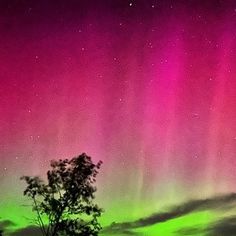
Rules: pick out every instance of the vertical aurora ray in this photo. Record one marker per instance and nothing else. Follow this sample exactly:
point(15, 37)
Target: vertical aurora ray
point(149, 88)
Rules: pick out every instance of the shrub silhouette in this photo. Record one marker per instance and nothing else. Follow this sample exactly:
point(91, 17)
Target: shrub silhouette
point(64, 205)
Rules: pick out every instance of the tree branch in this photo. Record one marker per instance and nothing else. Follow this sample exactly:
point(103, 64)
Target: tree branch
point(42, 227)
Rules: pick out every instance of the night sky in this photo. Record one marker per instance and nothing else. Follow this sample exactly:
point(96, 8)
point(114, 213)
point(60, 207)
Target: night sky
point(148, 87)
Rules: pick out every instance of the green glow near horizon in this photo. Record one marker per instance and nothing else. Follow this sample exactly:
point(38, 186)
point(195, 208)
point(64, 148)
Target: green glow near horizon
point(21, 216)
point(199, 220)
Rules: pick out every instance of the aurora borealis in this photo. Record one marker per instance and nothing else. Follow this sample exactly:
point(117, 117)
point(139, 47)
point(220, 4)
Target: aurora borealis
point(148, 87)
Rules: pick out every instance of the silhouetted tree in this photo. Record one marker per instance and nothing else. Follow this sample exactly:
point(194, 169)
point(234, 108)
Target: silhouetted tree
point(64, 205)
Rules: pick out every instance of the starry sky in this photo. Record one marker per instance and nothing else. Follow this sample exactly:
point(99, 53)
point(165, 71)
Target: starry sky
point(148, 87)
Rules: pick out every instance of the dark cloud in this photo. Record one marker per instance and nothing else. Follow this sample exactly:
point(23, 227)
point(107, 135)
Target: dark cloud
point(214, 203)
point(223, 227)
point(29, 231)
point(6, 223)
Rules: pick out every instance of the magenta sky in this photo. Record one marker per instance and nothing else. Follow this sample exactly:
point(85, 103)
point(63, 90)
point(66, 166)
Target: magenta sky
point(149, 87)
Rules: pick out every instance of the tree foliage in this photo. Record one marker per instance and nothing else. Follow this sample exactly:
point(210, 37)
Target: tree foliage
point(64, 205)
